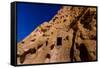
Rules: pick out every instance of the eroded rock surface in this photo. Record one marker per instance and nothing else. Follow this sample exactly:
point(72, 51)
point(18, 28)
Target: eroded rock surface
point(68, 37)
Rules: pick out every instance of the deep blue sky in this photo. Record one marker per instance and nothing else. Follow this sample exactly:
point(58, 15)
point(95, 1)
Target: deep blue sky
point(29, 16)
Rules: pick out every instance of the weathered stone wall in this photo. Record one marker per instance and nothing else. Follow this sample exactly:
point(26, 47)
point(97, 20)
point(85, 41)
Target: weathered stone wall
point(68, 37)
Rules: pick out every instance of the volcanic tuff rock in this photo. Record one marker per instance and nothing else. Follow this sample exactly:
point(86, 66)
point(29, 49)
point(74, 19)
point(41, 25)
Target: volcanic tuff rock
point(68, 37)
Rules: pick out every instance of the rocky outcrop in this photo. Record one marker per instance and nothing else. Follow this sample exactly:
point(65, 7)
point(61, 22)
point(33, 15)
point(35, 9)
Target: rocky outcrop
point(68, 37)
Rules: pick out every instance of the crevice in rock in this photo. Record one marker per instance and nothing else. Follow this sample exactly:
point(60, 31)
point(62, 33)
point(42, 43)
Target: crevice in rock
point(48, 56)
point(84, 56)
point(72, 48)
point(52, 46)
point(74, 26)
point(39, 46)
point(30, 51)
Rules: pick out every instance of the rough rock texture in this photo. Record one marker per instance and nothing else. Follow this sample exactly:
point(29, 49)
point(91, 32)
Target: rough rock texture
point(68, 37)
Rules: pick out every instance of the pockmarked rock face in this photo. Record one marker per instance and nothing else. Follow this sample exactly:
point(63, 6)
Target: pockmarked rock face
point(68, 37)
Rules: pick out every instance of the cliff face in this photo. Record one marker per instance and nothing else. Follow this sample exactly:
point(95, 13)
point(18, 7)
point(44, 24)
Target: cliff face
point(68, 37)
